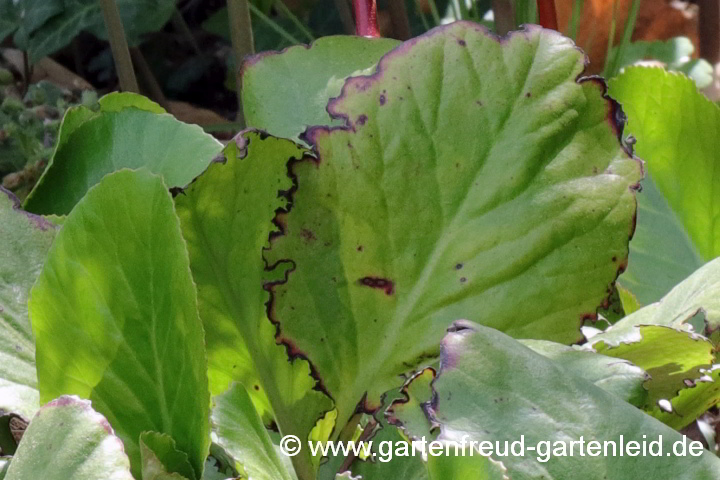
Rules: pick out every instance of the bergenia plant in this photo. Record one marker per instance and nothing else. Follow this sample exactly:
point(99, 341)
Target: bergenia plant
point(419, 239)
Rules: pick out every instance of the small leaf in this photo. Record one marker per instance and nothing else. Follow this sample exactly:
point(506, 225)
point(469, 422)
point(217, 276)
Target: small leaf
point(409, 413)
point(161, 460)
point(287, 109)
point(115, 317)
point(67, 439)
point(697, 293)
point(129, 138)
point(242, 434)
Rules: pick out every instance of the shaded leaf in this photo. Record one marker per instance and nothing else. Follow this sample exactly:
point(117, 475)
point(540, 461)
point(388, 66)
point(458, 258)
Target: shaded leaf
point(130, 138)
point(67, 439)
point(161, 460)
point(115, 317)
point(241, 433)
point(487, 381)
point(26, 241)
point(621, 378)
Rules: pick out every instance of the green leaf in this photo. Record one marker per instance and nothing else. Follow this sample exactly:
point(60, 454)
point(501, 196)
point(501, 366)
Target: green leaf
point(487, 381)
point(622, 379)
point(287, 109)
point(661, 253)
point(701, 394)
point(4, 466)
point(402, 221)
point(118, 101)
point(408, 413)
point(676, 130)
point(161, 460)
point(112, 102)
point(659, 338)
point(67, 439)
point(675, 53)
point(241, 433)
point(226, 217)
point(115, 317)
point(26, 241)
point(697, 293)
point(465, 465)
point(669, 356)
point(129, 138)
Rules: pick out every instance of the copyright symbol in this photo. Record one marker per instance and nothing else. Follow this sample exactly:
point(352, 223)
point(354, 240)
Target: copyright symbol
point(290, 445)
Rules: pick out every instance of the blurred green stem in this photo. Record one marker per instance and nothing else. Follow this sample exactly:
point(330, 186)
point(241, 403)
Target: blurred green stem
point(504, 14)
point(611, 39)
point(243, 45)
point(575, 19)
point(613, 66)
point(119, 47)
point(435, 12)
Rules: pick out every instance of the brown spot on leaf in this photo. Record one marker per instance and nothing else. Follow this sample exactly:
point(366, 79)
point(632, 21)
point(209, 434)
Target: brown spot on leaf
point(307, 235)
point(377, 282)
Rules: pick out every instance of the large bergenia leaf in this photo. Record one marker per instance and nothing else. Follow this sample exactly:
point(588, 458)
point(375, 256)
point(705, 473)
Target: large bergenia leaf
point(676, 128)
point(26, 239)
point(287, 109)
point(401, 224)
point(115, 317)
point(124, 135)
point(67, 439)
point(487, 381)
point(225, 234)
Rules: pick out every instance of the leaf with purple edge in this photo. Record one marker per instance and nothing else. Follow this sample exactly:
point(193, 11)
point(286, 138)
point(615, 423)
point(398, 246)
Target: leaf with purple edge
point(401, 223)
point(26, 241)
point(67, 439)
point(286, 109)
point(226, 216)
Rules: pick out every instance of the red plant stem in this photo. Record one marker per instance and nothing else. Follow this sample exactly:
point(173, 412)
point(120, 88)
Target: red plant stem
point(547, 17)
point(366, 18)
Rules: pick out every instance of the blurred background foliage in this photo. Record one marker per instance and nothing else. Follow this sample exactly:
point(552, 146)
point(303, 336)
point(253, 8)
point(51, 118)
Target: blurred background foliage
point(55, 53)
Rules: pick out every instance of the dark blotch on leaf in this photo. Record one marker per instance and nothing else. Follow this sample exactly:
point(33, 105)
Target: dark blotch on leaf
point(376, 282)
